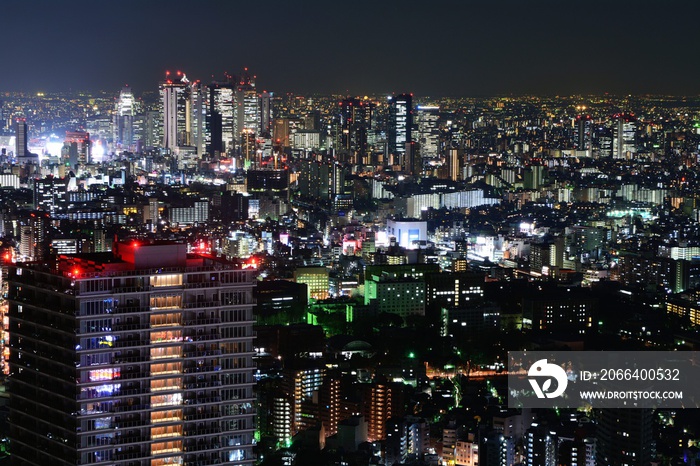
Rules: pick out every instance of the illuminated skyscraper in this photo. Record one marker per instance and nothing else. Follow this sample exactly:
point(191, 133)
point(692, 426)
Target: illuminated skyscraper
point(411, 159)
point(624, 137)
point(223, 137)
point(143, 357)
point(453, 164)
point(247, 108)
point(400, 124)
point(78, 147)
point(427, 119)
point(152, 129)
point(21, 143)
point(200, 123)
point(266, 112)
point(355, 119)
point(21, 138)
point(603, 141)
point(583, 132)
point(124, 119)
point(175, 95)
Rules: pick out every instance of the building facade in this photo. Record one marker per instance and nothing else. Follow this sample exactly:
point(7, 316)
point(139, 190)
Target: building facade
point(143, 357)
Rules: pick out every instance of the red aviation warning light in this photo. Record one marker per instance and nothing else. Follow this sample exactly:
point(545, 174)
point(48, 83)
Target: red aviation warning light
point(251, 264)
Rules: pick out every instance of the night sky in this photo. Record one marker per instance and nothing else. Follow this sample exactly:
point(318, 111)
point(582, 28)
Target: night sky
point(432, 47)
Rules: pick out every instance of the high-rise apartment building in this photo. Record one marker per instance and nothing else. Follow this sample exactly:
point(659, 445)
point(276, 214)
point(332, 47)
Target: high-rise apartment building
point(140, 357)
point(380, 402)
point(540, 446)
point(625, 437)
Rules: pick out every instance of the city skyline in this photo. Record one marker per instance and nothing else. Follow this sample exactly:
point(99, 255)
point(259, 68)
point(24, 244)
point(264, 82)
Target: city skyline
point(447, 49)
point(244, 233)
point(388, 254)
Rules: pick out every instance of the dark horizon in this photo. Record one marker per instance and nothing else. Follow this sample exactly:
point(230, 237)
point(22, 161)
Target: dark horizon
point(444, 48)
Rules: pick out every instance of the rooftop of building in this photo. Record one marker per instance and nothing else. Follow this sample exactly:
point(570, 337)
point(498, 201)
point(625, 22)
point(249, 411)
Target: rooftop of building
point(138, 257)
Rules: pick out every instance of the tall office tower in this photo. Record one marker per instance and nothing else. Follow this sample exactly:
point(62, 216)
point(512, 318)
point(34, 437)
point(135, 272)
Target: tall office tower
point(400, 125)
point(124, 119)
point(454, 167)
point(583, 132)
point(624, 137)
point(175, 96)
point(625, 437)
point(411, 160)
point(427, 119)
point(78, 147)
point(152, 129)
point(321, 181)
point(249, 153)
point(199, 105)
point(223, 137)
point(266, 112)
point(603, 141)
point(141, 357)
point(246, 109)
point(22, 140)
point(355, 120)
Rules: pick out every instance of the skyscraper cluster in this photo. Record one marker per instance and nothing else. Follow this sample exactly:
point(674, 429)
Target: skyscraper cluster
point(390, 251)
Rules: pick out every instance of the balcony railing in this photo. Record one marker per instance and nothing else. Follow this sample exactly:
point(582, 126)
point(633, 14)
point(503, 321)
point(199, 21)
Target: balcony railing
point(207, 368)
point(200, 416)
point(203, 321)
point(202, 354)
point(200, 401)
point(198, 304)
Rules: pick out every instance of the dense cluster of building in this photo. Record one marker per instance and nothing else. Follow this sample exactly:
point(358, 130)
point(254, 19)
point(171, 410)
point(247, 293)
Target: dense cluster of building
point(218, 274)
